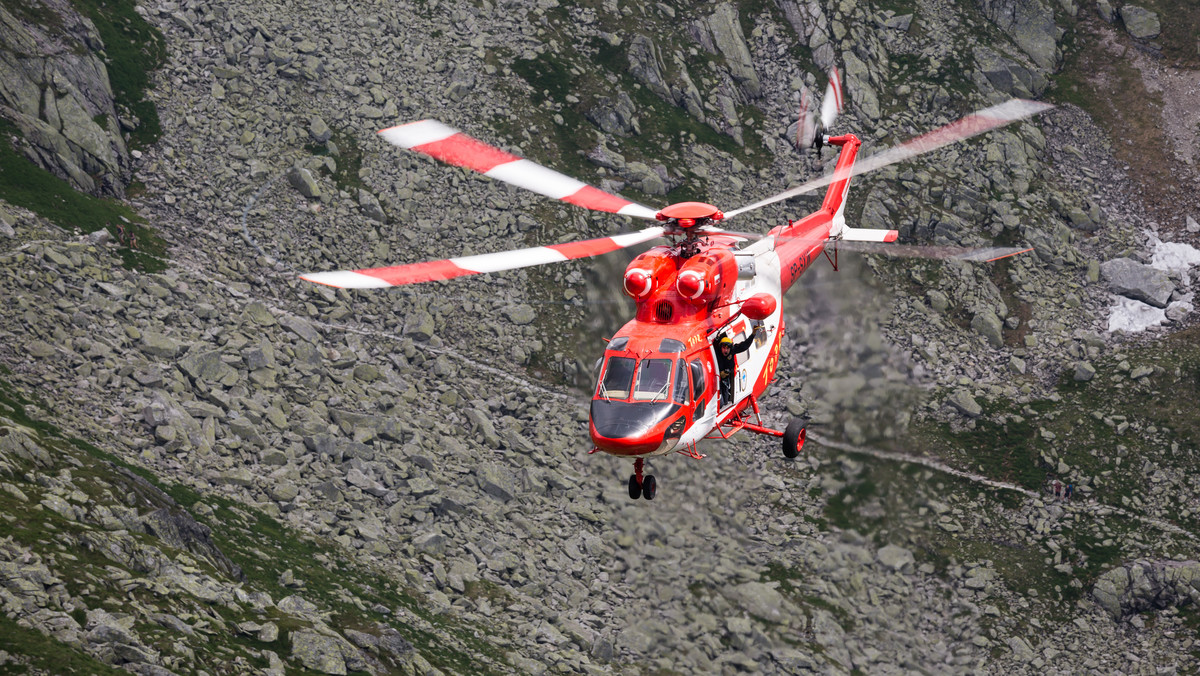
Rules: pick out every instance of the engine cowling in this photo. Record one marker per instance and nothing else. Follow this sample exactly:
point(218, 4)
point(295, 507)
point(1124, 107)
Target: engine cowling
point(706, 277)
point(648, 272)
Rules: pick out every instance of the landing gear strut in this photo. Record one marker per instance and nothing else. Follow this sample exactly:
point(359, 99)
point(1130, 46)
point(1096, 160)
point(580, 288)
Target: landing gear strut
point(641, 486)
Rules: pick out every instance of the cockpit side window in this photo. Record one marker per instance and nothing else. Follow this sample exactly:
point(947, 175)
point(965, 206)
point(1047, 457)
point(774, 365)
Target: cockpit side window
point(618, 376)
point(653, 381)
point(681, 382)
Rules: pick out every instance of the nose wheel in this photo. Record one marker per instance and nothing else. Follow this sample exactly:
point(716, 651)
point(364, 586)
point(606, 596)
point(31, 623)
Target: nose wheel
point(641, 486)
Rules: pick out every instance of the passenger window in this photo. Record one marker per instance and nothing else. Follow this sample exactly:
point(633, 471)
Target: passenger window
point(681, 382)
point(654, 379)
point(618, 376)
point(698, 385)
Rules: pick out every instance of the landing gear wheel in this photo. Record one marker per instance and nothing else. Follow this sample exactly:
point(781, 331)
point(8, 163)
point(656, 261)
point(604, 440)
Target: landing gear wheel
point(635, 488)
point(794, 437)
point(649, 487)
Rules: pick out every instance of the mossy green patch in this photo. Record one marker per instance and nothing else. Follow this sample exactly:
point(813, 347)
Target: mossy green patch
point(133, 49)
point(27, 185)
point(31, 650)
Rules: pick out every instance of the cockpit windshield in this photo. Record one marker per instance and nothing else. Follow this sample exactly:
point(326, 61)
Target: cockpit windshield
point(618, 376)
point(654, 377)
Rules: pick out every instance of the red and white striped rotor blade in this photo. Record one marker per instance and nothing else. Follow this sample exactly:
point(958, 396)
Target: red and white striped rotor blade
point(960, 253)
point(451, 146)
point(832, 105)
point(971, 125)
point(414, 273)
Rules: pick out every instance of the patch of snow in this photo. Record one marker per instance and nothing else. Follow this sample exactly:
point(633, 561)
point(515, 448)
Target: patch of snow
point(1133, 316)
point(1174, 256)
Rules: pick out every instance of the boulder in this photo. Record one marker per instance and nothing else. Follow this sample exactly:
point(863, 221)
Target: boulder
point(896, 558)
point(728, 39)
point(318, 652)
point(964, 403)
point(1144, 585)
point(1140, 23)
point(55, 88)
point(302, 180)
point(988, 325)
point(1129, 278)
point(1030, 24)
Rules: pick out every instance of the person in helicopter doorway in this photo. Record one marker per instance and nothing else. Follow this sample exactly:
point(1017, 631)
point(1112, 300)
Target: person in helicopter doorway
point(727, 354)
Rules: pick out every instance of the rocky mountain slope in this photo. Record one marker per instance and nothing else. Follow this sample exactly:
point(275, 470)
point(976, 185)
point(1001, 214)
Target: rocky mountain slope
point(208, 465)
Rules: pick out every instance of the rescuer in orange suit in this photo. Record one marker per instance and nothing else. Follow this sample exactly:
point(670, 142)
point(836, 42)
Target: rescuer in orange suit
point(727, 363)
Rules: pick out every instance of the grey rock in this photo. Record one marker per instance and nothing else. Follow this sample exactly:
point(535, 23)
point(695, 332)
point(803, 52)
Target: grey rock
point(419, 325)
point(964, 403)
point(370, 207)
point(300, 327)
point(988, 325)
point(207, 367)
point(760, 599)
point(430, 543)
point(729, 40)
point(302, 180)
point(318, 130)
point(1144, 585)
point(646, 66)
point(896, 558)
point(1084, 372)
point(497, 481)
point(520, 314)
point(1135, 280)
point(615, 115)
point(56, 89)
point(1030, 24)
point(284, 491)
point(318, 652)
point(1105, 9)
point(177, 528)
point(1140, 23)
point(937, 300)
point(1178, 310)
point(1192, 225)
point(158, 345)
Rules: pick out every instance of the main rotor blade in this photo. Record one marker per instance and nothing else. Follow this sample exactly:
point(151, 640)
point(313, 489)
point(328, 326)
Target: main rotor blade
point(451, 146)
point(971, 125)
point(413, 273)
point(961, 253)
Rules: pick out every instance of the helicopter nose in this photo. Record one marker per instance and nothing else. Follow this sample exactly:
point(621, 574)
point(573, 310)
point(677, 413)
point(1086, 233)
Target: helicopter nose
point(630, 445)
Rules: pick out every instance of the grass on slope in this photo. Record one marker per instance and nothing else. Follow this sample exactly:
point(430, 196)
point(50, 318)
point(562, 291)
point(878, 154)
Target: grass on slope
point(1133, 442)
point(261, 546)
point(27, 185)
point(133, 49)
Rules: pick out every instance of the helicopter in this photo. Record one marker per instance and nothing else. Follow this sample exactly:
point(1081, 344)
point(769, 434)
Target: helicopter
point(659, 386)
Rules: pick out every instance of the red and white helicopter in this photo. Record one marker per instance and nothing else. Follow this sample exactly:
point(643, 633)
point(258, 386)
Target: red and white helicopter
point(659, 390)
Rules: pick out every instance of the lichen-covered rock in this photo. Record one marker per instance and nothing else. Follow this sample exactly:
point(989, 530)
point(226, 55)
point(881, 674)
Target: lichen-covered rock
point(1140, 23)
point(1144, 585)
point(318, 652)
point(55, 87)
point(1030, 24)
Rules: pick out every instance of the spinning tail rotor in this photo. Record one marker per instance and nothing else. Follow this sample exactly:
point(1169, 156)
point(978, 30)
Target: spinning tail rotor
point(808, 133)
